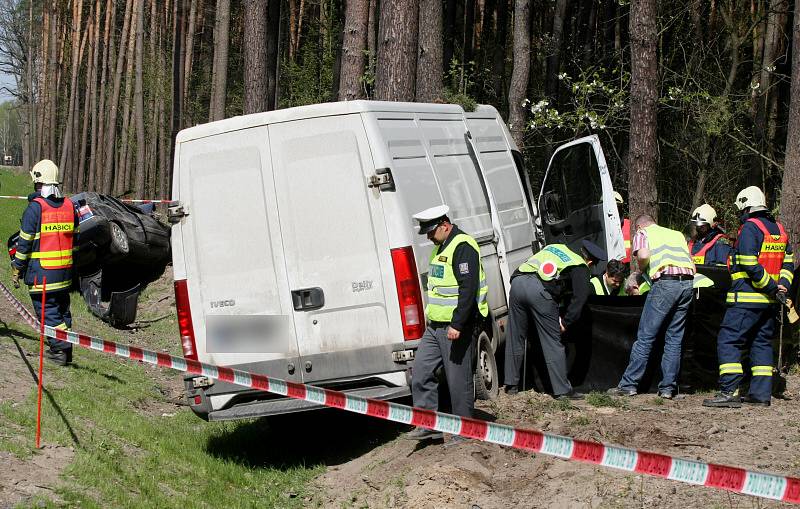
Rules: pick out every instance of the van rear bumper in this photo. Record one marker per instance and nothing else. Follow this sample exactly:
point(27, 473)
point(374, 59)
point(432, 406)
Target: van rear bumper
point(289, 405)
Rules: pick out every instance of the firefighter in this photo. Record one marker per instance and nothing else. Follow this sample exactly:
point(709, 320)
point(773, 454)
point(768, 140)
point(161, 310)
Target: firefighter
point(555, 275)
point(761, 266)
point(610, 282)
point(455, 310)
point(45, 248)
point(625, 223)
point(709, 246)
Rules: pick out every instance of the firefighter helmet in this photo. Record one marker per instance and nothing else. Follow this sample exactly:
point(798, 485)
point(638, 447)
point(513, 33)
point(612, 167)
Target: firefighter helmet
point(45, 172)
point(750, 197)
point(704, 214)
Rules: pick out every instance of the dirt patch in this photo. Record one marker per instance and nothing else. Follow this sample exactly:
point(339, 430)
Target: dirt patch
point(22, 478)
point(401, 473)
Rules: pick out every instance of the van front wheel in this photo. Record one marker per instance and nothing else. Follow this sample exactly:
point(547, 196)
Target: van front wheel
point(487, 384)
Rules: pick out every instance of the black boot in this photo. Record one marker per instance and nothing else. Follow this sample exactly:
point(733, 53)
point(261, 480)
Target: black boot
point(511, 389)
point(724, 400)
point(750, 400)
point(60, 357)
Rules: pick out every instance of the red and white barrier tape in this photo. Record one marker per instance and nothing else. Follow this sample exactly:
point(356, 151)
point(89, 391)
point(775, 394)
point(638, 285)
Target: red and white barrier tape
point(126, 200)
point(738, 480)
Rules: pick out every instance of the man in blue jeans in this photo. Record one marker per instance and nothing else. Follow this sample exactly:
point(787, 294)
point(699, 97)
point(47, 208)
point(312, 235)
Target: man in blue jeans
point(662, 254)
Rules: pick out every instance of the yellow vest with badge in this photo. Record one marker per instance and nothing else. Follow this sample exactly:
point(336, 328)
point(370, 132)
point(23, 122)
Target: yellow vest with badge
point(551, 261)
point(443, 285)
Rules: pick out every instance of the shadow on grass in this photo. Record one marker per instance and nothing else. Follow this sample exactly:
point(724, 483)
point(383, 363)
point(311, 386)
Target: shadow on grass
point(318, 437)
point(13, 334)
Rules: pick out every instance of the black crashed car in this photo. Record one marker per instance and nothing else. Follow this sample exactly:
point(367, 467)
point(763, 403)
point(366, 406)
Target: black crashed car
point(121, 248)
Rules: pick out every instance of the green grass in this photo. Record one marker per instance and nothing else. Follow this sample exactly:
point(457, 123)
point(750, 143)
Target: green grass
point(127, 454)
point(12, 183)
point(601, 399)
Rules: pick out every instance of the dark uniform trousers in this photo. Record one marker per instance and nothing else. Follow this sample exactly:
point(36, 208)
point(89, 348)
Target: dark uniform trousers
point(529, 301)
point(457, 358)
point(741, 328)
point(56, 313)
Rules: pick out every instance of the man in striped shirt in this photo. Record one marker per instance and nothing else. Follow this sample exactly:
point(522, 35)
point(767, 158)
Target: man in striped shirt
point(662, 254)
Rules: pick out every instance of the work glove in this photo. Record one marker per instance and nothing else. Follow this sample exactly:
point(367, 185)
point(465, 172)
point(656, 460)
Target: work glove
point(15, 277)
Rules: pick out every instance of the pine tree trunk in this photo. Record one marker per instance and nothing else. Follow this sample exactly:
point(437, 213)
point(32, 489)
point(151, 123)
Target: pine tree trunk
point(790, 192)
point(66, 140)
point(431, 53)
point(519, 75)
point(273, 39)
point(98, 126)
point(468, 41)
point(189, 58)
point(644, 96)
point(219, 74)
point(397, 51)
point(773, 50)
point(554, 60)
point(122, 177)
point(354, 46)
point(90, 98)
point(255, 56)
point(138, 100)
point(499, 59)
point(107, 170)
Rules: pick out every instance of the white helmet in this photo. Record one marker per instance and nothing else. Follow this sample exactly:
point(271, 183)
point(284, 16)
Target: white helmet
point(45, 172)
point(618, 198)
point(751, 197)
point(704, 214)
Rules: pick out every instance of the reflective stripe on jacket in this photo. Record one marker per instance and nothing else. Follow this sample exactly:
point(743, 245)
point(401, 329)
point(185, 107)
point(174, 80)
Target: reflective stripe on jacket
point(551, 261)
point(762, 260)
point(443, 285)
point(699, 257)
point(667, 248)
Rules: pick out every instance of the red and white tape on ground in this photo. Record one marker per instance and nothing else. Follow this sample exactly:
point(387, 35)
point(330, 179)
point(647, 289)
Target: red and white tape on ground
point(126, 200)
point(738, 480)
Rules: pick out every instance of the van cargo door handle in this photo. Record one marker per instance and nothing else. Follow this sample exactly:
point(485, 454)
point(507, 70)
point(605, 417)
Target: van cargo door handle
point(308, 299)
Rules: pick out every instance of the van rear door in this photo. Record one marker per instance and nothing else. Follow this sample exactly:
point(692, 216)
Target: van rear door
point(234, 254)
point(577, 199)
point(337, 259)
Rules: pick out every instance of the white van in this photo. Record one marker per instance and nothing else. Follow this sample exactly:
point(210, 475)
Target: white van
point(295, 254)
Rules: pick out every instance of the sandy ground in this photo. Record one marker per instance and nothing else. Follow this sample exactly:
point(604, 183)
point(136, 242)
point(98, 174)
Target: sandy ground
point(371, 465)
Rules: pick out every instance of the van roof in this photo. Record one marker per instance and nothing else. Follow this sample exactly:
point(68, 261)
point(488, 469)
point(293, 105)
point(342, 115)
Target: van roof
point(310, 111)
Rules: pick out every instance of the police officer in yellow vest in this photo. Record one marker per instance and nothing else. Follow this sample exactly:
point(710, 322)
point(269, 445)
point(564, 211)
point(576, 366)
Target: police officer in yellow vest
point(554, 274)
point(610, 281)
point(455, 310)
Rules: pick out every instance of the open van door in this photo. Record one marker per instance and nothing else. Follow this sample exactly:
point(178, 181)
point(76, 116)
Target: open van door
point(577, 199)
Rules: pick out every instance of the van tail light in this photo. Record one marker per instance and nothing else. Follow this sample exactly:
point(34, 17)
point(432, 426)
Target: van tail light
point(185, 320)
point(408, 292)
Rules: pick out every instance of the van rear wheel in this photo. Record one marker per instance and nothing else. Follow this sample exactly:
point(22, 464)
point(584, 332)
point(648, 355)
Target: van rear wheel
point(487, 383)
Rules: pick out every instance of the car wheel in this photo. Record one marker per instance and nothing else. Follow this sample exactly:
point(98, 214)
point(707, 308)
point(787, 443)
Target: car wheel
point(487, 382)
point(119, 240)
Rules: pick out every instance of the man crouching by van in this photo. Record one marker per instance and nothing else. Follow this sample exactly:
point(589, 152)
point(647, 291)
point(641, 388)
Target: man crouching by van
point(456, 307)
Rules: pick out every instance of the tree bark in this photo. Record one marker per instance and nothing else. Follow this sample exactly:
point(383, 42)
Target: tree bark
point(773, 50)
point(189, 58)
point(499, 58)
point(430, 87)
point(90, 98)
point(255, 56)
point(520, 74)
point(354, 46)
point(554, 60)
point(395, 71)
point(98, 128)
point(138, 101)
point(219, 74)
point(790, 191)
point(643, 152)
point(111, 127)
point(66, 140)
point(468, 42)
point(273, 55)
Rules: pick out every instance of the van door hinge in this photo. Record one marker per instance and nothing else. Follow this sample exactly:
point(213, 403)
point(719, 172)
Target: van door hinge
point(176, 212)
point(382, 179)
